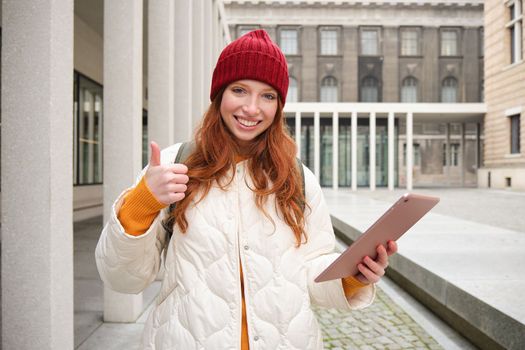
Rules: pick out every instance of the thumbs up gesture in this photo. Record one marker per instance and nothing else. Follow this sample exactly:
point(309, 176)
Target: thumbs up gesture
point(166, 182)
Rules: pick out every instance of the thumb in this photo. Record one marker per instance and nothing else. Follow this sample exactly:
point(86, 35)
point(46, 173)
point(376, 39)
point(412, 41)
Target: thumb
point(154, 159)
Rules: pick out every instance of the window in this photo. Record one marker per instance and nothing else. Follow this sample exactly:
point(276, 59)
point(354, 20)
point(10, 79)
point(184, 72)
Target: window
point(328, 41)
point(292, 95)
point(444, 154)
point(454, 154)
point(515, 134)
point(87, 126)
point(416, 154)
point(409, 90)
point(289, 41)
point(370, 42)
point(329, 89)
point(481, 42)
point(409, 42)
point(449, 90)
point(370, 90)
point(515, 30)
point(482, 90)
point(449, 42)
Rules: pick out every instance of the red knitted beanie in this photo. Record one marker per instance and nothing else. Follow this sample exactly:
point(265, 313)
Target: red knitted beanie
point(252, 56)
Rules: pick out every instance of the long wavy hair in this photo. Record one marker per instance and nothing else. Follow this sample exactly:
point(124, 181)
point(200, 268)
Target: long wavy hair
point(271, 165)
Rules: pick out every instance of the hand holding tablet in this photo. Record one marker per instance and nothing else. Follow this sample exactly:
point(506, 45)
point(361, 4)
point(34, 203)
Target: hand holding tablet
point(389, 227)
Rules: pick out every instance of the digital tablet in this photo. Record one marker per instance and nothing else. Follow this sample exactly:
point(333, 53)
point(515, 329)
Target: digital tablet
point(389, 227)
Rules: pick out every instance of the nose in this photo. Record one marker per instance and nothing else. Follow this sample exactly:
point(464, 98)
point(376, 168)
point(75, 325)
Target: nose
point(251, 108)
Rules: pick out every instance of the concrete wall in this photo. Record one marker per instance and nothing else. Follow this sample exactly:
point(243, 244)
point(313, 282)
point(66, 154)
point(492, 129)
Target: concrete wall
point(504, 96)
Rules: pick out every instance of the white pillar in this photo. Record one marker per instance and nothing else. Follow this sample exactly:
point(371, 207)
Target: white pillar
point(354, 151)
point(122, 123)
point(317, 146)
point(478, 145)
point(447, 152)
point(216, 30)
point(372, 152)
point(209, 54)
point(463, 153)
point(335, 151)
point(198, 52)
point(183, 71)
point(391, 151)
point(410, 151)
point(161, 82)
point(37, 188)
point(298, 133)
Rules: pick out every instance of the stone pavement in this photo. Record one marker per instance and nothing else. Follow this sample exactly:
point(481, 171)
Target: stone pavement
point(384, 325)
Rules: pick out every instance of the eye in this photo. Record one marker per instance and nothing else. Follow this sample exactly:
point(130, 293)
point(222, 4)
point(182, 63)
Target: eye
point(237, 90)
point(270, 97)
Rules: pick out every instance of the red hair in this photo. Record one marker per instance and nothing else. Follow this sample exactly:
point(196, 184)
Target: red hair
point(271, 160)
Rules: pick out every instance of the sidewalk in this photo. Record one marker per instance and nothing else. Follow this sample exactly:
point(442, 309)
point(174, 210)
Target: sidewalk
point(468, 272)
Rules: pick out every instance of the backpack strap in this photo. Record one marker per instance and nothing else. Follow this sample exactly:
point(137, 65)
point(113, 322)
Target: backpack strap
point(182, 155)
point(300, 166)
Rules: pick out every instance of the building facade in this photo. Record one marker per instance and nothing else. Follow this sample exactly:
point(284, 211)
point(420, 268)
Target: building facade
point(505, 96)
point(379, 52)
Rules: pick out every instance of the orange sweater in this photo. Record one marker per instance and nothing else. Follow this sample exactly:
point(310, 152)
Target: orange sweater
point(140, 208)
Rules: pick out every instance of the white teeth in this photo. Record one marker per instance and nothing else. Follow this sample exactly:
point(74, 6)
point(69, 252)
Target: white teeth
point(246, 122)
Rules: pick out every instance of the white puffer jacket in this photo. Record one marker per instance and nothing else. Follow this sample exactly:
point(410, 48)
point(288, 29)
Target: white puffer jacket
point(199, 305)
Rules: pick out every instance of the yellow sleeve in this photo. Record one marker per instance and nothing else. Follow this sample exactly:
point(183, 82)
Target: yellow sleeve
point(139, 209)
point(351, 285)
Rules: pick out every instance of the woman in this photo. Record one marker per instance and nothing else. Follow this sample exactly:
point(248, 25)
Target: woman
point(247, 242)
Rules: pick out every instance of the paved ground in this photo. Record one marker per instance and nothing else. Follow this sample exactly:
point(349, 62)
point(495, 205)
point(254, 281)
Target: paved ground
point(384, 325)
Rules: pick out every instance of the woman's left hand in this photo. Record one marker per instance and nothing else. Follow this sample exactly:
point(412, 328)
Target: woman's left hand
point(371, 271)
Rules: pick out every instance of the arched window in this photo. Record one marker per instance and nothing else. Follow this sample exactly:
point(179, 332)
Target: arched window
point(329, 89)
point(370, 90)
point(449, 90)
point(409, 90)
point(293, 93)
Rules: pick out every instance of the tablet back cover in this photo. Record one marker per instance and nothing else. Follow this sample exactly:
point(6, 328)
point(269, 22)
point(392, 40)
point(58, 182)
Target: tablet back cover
point(398, 219)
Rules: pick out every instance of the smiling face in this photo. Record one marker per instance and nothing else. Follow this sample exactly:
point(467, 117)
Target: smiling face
point(248, 108)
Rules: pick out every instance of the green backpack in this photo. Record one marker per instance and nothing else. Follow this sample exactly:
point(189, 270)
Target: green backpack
point(184, 152)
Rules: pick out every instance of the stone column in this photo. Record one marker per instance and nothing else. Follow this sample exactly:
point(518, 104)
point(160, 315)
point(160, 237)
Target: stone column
point(478, 145)
point(216, 30)
point(335, 151)
point(298, 133)
point(198, 52)
point(463, 128)
point(391, 151)
point(209, 54)
point(353, 131)
point(317, 146)
point(161, 80)
point(37, 189)
point(183, 71)
point(372, 152)
point(409, 150)
point(122, 123)
point(447, 152)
